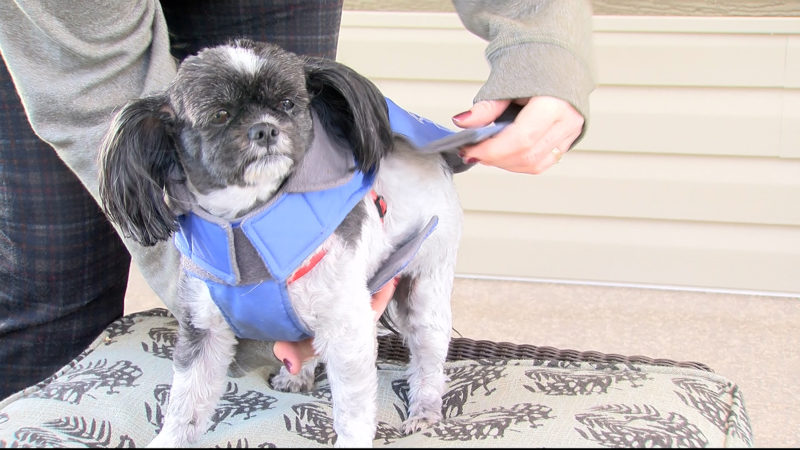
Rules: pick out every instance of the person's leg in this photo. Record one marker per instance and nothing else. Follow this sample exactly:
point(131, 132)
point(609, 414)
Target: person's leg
point(63, 269)
point(303, 27)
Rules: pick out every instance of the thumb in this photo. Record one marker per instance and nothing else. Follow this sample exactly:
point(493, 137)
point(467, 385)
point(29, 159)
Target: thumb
point(482, 113)
point(293, 354)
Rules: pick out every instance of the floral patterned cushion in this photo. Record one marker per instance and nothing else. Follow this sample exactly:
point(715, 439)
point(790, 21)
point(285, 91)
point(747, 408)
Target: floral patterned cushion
point(114, 395)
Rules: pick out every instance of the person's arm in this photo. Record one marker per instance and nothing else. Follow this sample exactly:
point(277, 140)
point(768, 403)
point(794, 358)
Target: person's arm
point(540, 53)
point(73, 63)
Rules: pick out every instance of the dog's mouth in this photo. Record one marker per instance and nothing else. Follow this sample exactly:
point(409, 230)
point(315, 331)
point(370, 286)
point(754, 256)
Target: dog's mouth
point(265, 157)
point(268, 167)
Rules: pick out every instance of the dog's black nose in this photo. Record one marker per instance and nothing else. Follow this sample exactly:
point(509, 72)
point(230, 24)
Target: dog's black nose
point(263, 134)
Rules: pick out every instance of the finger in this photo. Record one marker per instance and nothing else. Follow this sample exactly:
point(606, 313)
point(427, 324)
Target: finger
point(380, 299)
point(515, 148)
point(547, 160)
point(294, 354)
point(481, 114)
point(531, 125)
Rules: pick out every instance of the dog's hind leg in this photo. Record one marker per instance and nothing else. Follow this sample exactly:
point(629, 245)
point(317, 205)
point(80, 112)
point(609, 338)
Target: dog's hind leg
point(204, 349)
point(425, 320)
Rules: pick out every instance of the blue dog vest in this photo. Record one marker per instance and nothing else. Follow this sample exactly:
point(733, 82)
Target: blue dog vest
point(284, 233)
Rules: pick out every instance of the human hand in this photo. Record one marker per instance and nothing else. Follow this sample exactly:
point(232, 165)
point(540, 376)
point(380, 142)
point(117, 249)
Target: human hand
point(294, 354)
point(542, 132)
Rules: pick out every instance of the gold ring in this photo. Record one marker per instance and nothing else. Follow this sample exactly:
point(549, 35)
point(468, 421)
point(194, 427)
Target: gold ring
point(557, 152)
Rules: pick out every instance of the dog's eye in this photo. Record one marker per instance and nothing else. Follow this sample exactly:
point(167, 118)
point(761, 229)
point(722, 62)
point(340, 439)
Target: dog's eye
point(220, 117)
point(287, 104)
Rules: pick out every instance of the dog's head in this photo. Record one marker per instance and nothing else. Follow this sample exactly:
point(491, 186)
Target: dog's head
point(237, 115)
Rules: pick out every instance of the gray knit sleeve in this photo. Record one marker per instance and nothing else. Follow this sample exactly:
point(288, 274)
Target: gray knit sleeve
point(74, 64)
point(536, 47)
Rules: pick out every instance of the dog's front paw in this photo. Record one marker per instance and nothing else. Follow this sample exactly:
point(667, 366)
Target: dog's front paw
point(166, 440)
point(420, 422)
point(286, 382)
point(343, 442)
point(175, 435)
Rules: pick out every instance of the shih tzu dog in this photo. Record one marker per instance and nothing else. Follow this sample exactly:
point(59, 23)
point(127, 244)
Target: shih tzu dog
point(291, 199)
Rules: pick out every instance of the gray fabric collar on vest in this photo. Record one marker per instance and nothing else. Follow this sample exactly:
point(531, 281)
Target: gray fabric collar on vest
point(326, 164)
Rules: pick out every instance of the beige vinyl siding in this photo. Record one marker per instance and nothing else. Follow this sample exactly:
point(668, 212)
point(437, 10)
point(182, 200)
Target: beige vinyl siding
point(749, 8)
point(688, 176)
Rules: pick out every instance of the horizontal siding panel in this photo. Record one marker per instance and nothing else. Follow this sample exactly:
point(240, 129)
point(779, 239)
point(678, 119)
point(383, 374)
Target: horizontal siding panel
point(700, 255)
point(790, 127)
point(640, 186)
point(701, 25)
point(711, 121)
point(382, 20)
point(793, 62)
point(676, 59)
point(399, 53)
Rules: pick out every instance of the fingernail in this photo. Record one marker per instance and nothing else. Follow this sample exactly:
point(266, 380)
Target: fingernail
point(288, 364)
point(462, 116)
point(467, 160)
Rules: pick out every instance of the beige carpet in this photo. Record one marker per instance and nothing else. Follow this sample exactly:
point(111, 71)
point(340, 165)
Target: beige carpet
point(752, 340)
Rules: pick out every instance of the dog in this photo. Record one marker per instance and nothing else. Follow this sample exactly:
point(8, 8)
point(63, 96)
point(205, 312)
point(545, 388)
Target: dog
point(245, 126)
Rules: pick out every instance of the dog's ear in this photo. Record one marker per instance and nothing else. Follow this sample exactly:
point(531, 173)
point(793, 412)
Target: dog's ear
point(138, 158)
point(351, 106)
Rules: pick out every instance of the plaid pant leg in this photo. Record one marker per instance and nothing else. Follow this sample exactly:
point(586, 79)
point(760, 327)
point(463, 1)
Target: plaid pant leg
point(307, 27)
point(63, 269)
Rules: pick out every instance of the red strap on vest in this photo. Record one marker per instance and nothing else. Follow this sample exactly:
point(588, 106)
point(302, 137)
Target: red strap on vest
point(305, 268)
point(379, 202)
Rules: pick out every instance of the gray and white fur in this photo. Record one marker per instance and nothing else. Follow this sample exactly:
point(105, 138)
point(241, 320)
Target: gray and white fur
point(223, 137)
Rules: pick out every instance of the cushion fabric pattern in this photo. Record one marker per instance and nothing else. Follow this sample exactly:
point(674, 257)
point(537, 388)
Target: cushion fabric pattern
point(115, 393)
